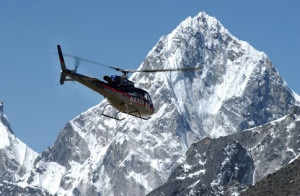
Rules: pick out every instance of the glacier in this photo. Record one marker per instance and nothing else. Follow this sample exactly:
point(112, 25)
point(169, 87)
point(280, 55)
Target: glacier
point(236, 88)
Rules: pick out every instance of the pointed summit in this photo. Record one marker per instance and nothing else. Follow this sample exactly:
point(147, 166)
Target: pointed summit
point(237, 88)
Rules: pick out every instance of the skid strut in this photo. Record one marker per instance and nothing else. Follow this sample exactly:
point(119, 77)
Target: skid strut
point(113, 117)
point(136, 114)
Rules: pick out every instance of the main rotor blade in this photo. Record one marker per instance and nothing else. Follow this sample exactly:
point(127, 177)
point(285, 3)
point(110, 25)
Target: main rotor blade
point(126, 71)
point(93, 62)
point(167, 70)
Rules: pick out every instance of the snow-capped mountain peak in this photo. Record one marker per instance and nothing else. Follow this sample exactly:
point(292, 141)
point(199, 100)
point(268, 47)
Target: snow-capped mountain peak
point(231, 69)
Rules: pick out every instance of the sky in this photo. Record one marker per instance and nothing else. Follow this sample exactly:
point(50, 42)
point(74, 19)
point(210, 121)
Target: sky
point(116, 33)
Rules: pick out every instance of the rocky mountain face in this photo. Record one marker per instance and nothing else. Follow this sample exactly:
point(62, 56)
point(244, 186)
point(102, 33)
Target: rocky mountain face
point(209, 166)
point(228, 165)
point(236, 88)
point(283, 182)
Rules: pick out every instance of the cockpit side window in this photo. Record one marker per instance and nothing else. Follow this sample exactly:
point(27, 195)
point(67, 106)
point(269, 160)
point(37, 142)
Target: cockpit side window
point(147, 97)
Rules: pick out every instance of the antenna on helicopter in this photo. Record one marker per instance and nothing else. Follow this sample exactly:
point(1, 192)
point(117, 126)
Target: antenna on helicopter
point(77, 62)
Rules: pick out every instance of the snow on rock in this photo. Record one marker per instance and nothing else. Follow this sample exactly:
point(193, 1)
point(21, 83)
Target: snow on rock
point(16, 157)
point(4, 140)
point(209, 166)
point(228, 165)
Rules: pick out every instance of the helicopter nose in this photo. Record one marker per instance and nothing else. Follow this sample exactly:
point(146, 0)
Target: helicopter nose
point(152, 108)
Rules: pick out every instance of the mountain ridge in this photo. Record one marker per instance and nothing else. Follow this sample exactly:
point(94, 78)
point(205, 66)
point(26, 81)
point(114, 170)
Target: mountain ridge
point(240, 160)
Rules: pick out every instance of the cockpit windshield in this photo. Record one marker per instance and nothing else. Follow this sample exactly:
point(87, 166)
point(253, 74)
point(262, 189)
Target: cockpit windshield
point(147, 97)
point(139, 93)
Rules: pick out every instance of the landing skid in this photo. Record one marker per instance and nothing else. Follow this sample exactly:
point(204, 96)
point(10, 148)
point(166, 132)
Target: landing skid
point(138, 116)
point(113, 117)
point(120, 119)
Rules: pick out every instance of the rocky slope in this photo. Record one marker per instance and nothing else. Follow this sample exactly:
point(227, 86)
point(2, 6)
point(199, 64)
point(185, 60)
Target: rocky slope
point(283, 182)
point(228, 165)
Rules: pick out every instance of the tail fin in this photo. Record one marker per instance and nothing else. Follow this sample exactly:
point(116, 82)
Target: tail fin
point(62, 65)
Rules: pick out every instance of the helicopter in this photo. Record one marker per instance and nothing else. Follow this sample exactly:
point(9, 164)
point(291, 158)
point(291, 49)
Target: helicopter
point(118, 90)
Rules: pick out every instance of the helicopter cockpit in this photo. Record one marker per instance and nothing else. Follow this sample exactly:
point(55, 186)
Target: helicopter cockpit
point(118, 81)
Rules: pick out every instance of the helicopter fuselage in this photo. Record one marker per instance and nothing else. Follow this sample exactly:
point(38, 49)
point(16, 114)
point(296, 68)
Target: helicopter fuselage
point(130, 100)
point(119, 91)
